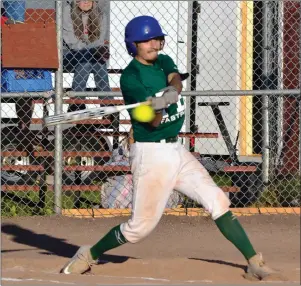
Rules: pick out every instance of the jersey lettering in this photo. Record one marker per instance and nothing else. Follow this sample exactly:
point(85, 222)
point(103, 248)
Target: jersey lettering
point(180, 104)
point(173, 117)
point(180, 111)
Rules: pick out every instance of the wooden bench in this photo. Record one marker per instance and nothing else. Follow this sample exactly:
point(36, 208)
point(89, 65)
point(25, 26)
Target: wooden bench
point(78, 188)
point(108, 170)
point(43, 154)
point(105, 169)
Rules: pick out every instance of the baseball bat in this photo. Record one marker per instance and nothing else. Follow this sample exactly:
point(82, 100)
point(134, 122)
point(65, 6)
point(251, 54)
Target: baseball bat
point(88, 113)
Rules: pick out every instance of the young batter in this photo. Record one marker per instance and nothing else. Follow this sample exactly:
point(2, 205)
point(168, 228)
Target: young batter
point(159, 163)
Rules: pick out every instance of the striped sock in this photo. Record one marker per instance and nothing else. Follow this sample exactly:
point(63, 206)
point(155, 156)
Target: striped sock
point(112, 239)
point(234, 232)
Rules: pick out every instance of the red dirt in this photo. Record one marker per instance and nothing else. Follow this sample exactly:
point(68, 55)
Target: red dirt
point(180, 251)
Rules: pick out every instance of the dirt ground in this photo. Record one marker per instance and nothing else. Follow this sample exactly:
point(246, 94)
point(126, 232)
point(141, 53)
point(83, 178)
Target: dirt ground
point(181, 250)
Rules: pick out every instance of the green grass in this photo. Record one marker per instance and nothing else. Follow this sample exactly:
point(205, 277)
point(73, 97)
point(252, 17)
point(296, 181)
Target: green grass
point(222, 180)
point(27, 203)
point(22, 204)
point(280, 193)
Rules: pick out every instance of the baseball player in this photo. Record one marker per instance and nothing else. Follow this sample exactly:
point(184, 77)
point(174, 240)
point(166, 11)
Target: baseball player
point(159, 163)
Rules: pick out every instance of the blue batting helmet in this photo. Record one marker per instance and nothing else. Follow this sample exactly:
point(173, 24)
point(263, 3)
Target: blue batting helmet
point(142, 28)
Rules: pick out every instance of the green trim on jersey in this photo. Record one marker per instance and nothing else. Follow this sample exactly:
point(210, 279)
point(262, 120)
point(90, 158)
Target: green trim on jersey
point(137, 83)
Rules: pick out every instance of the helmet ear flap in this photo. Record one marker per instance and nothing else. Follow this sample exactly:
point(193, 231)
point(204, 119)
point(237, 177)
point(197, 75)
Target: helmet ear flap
point(131, 48)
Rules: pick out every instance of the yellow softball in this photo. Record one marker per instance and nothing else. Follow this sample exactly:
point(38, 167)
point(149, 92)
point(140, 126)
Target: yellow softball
point(143, 113)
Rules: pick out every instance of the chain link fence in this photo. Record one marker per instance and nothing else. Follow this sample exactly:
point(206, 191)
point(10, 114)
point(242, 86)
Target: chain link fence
point(242, 105)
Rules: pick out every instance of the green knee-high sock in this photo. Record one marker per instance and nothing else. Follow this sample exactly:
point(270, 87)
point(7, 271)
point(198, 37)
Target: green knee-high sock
point(112, 239)
point(231, 228)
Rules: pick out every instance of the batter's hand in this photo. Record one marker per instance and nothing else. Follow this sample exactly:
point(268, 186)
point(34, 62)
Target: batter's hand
point(169, 96)
point(157, 103)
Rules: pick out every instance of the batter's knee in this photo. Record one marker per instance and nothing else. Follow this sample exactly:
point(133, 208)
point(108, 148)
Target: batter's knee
point(219, 205)
point(137, 229)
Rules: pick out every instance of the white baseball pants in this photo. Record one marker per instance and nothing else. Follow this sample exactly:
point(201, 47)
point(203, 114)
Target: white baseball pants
point(158, 169)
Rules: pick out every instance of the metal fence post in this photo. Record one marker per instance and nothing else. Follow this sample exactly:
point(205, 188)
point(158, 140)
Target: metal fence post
point(265, 99)
point(58, 109)
point(194, 66)
point(189, 67)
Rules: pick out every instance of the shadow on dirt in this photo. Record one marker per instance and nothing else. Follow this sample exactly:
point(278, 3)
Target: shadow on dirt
point(52, 245)
point(240, 266)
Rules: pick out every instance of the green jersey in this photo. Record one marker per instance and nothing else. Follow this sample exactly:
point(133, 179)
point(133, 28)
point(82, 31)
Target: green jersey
point(137, 83)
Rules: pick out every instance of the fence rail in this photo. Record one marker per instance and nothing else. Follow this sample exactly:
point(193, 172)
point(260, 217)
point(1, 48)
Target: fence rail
point(291, 92)
point(242, 106)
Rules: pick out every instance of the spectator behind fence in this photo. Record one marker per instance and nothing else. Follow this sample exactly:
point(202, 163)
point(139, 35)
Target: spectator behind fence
point(15, 14)
point(86, 50)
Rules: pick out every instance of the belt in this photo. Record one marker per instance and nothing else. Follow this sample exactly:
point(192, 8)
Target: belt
point(166, 140)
